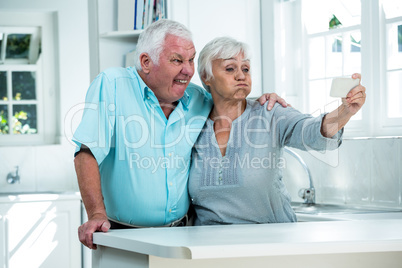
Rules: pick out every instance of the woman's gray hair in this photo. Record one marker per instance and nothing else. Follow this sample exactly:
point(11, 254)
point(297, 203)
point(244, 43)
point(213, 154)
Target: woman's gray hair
point(152, 39)
point(219, 48)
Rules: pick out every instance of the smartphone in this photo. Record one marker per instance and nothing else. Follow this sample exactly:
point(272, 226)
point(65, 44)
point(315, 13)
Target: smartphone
point(341, 86)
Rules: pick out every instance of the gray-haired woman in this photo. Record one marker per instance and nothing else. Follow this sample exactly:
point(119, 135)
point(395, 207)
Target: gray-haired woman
point(236, 171)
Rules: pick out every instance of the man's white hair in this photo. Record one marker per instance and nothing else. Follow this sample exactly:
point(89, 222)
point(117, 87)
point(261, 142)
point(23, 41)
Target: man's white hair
point(152, 39)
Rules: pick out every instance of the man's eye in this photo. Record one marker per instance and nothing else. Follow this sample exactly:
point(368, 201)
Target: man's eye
point(246, 70)
point(177, 61)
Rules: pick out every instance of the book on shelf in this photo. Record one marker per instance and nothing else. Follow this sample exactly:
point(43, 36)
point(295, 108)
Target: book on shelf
point(126, 15)
point(138, 14)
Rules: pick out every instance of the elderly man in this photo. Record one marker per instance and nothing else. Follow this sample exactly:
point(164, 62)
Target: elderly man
point(135, 138)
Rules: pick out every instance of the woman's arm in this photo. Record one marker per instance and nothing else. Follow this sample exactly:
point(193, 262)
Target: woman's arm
point(337, 119)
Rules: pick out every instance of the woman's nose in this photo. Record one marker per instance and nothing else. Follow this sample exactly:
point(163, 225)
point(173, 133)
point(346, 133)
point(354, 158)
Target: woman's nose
point(240, 75)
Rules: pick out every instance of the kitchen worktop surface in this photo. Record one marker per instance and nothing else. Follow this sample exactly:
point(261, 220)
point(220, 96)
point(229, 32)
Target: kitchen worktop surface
point(227, 241)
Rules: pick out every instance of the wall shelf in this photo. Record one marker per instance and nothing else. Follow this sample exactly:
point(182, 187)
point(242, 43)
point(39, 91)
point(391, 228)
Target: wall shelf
point(121, 34)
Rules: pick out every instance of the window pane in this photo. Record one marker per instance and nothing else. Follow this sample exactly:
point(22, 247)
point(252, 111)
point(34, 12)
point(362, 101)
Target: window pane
point(392, 8)
point(400, 38)
point(321, 15)
point(1, 42)
point(4, 126)
point(3, 86)
point(24, 119)
point(23, 84)
point(352, 57)
point(317, 57)
point(334, 58)
point(394, 85)
point(18, 46)
point(318, 95)
point(394, 44)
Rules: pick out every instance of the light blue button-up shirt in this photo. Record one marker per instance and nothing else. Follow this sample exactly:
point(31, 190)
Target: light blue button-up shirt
point(143, 157)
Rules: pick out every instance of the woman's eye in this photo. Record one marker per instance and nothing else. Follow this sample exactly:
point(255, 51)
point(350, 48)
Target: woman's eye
point(229, 69)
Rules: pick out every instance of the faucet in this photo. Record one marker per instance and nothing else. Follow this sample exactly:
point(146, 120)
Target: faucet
point(13, 178)
point(308, 194)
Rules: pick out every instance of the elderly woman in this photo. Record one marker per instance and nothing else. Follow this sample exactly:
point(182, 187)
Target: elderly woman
point(236, 175)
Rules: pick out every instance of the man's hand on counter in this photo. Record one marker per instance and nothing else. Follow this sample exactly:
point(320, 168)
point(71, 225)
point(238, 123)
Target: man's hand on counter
point(97, 223)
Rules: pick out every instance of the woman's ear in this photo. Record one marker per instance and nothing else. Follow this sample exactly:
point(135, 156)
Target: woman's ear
point(146, 62)
point(205, 81)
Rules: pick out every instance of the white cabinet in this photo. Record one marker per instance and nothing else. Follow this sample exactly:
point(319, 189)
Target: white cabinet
point(40, 230)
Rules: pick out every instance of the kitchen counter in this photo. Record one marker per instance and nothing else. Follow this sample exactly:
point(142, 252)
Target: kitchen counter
point(254, 244)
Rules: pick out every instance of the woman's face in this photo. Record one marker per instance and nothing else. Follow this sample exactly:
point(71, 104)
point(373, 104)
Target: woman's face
point(231, 78)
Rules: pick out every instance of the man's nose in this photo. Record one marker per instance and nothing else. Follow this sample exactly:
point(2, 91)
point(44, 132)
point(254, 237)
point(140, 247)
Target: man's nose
point(188, 68)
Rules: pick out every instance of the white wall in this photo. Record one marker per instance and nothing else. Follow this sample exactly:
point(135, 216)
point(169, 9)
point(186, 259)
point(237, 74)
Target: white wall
point(50, 167)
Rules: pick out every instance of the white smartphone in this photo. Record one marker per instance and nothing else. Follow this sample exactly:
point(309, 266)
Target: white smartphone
point(341, 86)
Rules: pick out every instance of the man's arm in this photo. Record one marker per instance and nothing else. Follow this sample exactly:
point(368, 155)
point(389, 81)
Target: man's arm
point(90, 187)
point(337, 119)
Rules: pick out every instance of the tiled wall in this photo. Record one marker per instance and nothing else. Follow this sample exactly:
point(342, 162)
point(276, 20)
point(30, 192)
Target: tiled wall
point(41, 168)
point(362, 171)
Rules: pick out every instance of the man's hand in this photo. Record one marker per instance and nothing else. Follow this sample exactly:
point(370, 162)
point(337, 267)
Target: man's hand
point(98, 223)
point(272, 98)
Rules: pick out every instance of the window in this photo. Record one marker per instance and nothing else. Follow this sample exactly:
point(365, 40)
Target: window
point(26, 109)
point(18, 80)
point(393, 24)
point(341, 37)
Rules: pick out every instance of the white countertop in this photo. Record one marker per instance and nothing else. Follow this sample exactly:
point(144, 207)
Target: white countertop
point(227, 241)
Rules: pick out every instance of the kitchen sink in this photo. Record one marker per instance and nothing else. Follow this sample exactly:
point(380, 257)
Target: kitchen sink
point(320, 209)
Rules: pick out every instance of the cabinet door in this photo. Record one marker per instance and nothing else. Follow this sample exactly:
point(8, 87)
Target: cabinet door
point(39, 234)
point(3, 258)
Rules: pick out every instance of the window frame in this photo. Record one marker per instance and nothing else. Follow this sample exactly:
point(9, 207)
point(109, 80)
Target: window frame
point(46, 75)
point(373, 69)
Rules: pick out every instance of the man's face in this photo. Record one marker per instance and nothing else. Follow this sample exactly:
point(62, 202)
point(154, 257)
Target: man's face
point(170, 78)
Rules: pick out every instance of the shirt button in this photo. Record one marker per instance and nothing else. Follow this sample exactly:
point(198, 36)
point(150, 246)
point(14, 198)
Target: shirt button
point(170, 154)
point(148, 98)
point(170, 183)
point(170, 210)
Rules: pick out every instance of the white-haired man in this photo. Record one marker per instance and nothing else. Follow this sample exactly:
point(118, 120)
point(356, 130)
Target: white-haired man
point(135, 138)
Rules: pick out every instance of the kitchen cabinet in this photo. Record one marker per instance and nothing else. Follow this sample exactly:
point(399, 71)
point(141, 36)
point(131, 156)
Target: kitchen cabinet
point(40, 230)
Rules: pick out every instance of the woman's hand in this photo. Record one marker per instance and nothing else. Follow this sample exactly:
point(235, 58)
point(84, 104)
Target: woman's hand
point(272, 98)
point(337, 119)
point(355, 98)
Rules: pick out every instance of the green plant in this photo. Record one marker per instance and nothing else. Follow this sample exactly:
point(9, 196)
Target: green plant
point(334, 22)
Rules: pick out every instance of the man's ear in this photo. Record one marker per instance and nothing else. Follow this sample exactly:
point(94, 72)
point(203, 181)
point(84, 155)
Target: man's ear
point(146, 62)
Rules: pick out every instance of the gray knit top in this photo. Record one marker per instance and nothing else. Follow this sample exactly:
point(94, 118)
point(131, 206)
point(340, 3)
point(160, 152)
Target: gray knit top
point(245, 185)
